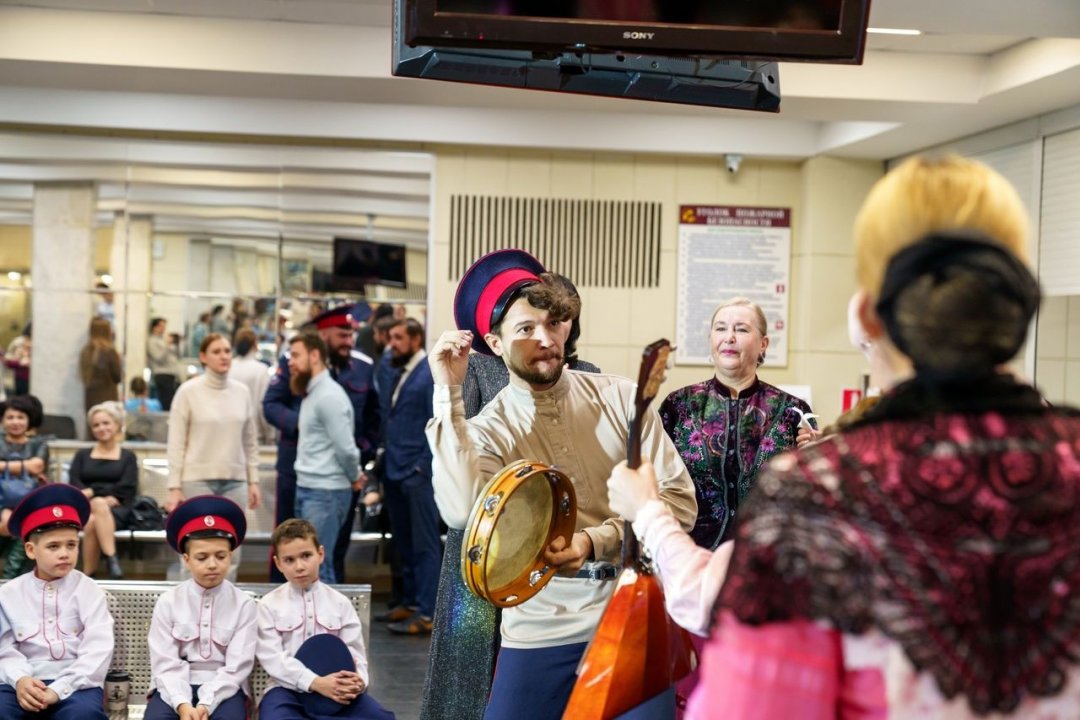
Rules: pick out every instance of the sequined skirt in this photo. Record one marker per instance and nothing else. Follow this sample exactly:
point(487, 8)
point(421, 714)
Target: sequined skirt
point(464, 643)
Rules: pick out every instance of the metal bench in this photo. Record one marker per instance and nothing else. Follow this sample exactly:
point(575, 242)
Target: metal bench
point(132, 607)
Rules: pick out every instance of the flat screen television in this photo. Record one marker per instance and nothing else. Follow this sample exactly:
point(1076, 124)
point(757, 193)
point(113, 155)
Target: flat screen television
point(789, 30)
point(744, 85)
point(358, 263)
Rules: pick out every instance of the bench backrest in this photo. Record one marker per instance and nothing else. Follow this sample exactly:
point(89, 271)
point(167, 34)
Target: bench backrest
point(132, 607)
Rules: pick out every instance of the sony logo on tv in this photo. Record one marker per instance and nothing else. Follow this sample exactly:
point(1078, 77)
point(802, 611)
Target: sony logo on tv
point(635, 35)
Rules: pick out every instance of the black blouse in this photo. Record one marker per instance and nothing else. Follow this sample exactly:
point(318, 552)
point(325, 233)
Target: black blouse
point(119, 478)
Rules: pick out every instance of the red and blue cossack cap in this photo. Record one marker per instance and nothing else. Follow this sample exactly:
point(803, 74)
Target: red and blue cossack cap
point(205, 516)
point(486, 288)
point(56, 504)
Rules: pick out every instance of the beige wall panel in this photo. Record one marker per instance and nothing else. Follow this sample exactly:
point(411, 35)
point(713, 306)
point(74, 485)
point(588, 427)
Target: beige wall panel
point(103, 238)
point(613, 177)
point(1053, 328)
point(487, 173)
point(834, 189)
point(821, 316)
point(606, 316)
point(1050, 379)
point(655, 180)
point(1071, 396)
point(742, 188)
point(1072, 340)
point(697, 180)
point(827, 374)
point(652, 310)
point(15, 247)
point(572, 175)
point(608, 359)
point(529, 175)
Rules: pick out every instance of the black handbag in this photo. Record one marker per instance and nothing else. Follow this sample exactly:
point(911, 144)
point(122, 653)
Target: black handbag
point(146, 514)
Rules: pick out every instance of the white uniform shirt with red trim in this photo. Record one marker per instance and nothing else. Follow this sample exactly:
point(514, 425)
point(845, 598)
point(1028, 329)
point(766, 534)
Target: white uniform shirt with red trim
point(59, 630)
point(288, 616)
point(204, 637)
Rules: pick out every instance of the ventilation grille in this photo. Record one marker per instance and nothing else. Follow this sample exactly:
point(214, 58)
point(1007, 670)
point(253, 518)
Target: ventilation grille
point(595, 243)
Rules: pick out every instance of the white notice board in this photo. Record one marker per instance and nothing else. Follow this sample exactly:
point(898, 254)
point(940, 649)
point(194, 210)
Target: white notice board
point(726, 251)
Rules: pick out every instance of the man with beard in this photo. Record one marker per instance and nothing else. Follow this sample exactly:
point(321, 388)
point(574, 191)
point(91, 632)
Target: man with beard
point(353, 371)
point(509, 306)
point(406, 476)
point(327, 461)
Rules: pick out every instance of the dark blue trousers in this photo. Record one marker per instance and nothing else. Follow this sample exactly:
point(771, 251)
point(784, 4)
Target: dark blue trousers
point(341, 547)
point(86, 704)
point(235, 708)
point(414, 520)
point(282, 704)
point(535, 684)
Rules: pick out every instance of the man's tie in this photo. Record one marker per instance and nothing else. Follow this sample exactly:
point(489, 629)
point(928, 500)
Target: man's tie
point(393, 386)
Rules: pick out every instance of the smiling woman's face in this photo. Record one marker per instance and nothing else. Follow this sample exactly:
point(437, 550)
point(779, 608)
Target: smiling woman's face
point(16, 423)
point(736, 342)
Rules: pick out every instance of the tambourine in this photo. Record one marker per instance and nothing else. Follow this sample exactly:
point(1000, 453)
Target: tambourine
point(519, 513)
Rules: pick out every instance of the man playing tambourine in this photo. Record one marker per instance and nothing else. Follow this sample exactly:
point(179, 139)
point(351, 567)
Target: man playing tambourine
point(509, 306)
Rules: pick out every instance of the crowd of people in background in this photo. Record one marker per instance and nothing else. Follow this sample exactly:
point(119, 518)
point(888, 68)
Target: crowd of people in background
point(884, 566)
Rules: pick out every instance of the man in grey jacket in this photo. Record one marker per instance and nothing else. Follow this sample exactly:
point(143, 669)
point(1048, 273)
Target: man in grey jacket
point(327, 460)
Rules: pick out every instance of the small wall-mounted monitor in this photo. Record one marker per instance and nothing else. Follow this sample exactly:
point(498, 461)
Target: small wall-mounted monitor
point(358, 263)
point(793, 30)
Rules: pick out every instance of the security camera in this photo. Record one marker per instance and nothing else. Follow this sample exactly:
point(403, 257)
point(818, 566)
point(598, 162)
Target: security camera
point(732, 161)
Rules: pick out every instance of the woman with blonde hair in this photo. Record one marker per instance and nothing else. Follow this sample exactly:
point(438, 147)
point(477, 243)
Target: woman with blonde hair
point(922, 562)
point(727, 427)
point(99, 365)
point(109, 476)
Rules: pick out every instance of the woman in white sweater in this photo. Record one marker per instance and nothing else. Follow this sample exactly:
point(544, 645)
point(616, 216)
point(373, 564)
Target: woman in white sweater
point(213, 426)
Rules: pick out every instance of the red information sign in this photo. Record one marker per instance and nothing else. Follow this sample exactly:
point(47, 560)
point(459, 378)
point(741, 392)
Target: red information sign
point(849, 398)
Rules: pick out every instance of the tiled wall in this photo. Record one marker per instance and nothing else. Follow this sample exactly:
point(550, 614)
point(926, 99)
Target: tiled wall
point(824, 195)
point(1057, 363)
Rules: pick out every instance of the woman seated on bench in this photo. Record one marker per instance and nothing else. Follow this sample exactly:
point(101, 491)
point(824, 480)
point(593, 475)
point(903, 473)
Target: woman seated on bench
point(109, 476)
point(24, 456)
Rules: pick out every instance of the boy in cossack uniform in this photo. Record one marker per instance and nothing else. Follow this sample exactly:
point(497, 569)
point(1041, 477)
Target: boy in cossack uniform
point(57, 640)
point(311, 643)
point(203, 634)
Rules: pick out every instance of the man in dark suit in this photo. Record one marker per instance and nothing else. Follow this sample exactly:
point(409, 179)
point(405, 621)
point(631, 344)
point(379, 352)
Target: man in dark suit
point(407, 492)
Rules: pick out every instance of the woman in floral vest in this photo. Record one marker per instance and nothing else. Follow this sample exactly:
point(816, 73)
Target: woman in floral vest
point(727, 427)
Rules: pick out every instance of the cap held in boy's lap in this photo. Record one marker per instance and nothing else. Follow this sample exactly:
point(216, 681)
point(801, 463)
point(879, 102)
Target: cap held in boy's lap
point(205, 516)
point(55, 504)
point(324, 655)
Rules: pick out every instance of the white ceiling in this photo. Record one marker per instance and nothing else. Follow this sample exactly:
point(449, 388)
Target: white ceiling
point(320, 69)
point(979, 64)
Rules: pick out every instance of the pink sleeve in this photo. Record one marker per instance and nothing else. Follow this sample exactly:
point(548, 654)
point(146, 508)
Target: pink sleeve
point(691, 576)
point(781, 671)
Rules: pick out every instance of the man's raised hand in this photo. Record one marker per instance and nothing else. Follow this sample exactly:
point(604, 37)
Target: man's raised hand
point(450, 357)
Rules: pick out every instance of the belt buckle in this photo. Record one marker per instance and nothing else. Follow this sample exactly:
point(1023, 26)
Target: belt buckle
point(599, 572)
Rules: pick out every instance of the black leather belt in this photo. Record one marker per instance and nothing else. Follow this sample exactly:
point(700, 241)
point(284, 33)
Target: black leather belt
point(598, 571)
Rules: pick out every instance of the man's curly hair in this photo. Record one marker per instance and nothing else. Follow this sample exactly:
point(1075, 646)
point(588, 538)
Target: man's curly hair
point(549, 294)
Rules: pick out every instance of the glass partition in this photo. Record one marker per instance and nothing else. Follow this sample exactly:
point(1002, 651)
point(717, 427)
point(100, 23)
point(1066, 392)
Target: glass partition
point(209, 237)
point(15, 283)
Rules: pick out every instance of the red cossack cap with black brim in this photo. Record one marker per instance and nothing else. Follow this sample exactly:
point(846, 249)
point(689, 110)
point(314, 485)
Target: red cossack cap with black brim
point(57, 504)
point(340, 316)
point(487, 286)
point(205, 516)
